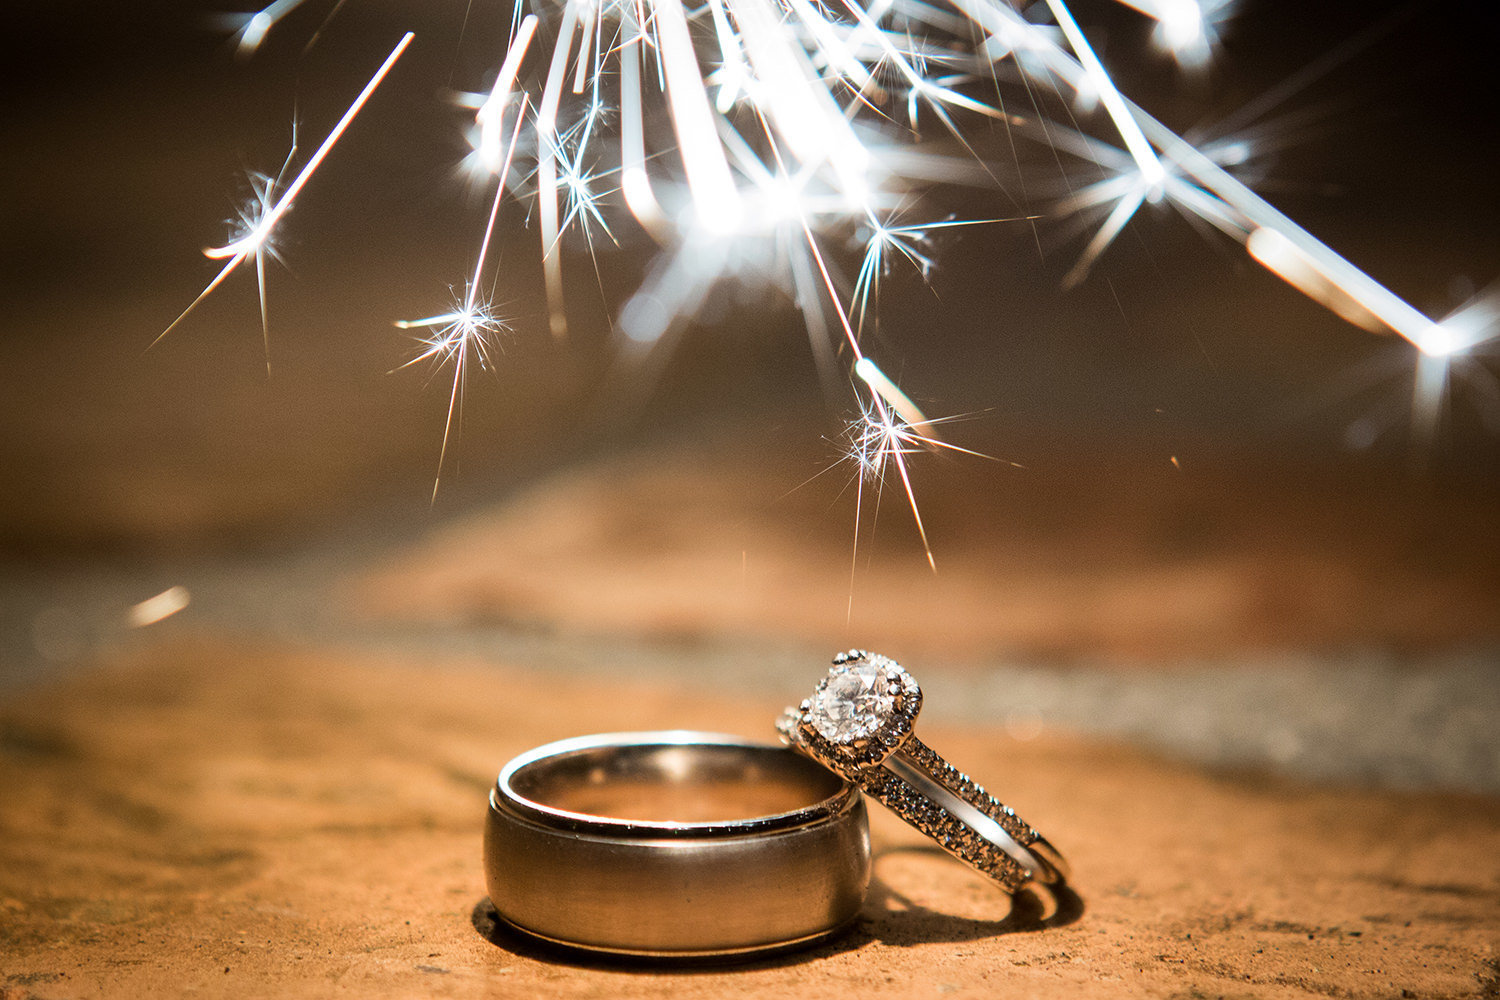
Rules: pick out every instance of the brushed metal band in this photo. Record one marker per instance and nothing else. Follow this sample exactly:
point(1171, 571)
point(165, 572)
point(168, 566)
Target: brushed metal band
point(674, 844)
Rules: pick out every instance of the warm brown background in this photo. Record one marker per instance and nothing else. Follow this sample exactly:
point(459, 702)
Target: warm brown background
point(1252, 693)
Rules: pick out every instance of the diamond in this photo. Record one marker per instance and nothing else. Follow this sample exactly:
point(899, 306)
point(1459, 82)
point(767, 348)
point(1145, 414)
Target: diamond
point(787, 725)
point(853, 701)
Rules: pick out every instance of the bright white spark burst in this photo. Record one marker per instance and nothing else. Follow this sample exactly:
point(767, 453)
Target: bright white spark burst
point(791, 158)
point(878, 442)
point(272, 202)
point(466, 335)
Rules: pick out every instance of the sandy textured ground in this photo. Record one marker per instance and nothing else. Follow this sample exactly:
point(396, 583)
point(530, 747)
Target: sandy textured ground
point(209, 819)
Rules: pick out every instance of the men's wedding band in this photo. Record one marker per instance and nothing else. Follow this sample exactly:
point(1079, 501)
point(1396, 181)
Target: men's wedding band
point(674, 844)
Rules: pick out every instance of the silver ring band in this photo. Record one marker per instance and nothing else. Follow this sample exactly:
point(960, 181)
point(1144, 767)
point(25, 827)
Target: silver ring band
point(858, 724)
point(674, 844)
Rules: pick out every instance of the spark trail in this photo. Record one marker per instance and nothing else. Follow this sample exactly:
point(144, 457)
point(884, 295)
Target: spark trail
point(770, 142)
point(271, 206)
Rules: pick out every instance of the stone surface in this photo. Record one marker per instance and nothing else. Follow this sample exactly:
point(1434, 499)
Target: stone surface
point(220, 819)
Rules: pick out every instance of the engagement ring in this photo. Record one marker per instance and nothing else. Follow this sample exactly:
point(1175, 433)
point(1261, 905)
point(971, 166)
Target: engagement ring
point(858, 724)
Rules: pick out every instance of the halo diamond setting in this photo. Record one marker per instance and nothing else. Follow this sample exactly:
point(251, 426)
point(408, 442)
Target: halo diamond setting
point(861, 712)
point(858, 723)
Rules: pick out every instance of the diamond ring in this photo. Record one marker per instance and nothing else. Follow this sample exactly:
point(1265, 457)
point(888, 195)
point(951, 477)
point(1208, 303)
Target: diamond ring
point(858, 723)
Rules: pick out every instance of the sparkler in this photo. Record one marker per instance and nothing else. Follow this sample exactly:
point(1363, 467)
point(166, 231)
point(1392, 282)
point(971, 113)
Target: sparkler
point(791, 122)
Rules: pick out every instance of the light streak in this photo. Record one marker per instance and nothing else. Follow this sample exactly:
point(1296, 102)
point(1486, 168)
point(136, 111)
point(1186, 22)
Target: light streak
point(467, 330)
point(1186, 28)
point(270, 211)
point(1284, 259)
point(887, 390)
point(1191, 162)
point(635, 184)
point(715, 197)
point(252, 240)
point(546, 171)
point(1393, 311)
point(887, 241)
point(791, 96)
point(1114, 103)
point(1255, 212)
point(791, 163)
point(879, 439)
point(259, 24)
point(882, 437)
point(158, 608)
point(492, 111)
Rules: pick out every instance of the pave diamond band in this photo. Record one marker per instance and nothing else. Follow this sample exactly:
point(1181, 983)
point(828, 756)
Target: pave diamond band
point(858, 723)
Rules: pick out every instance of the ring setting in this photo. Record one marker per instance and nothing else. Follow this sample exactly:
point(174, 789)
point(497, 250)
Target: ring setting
point(859, 723)
point(864, 709)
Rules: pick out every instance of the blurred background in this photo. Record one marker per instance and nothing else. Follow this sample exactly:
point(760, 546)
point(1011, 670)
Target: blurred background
point(1213, 526)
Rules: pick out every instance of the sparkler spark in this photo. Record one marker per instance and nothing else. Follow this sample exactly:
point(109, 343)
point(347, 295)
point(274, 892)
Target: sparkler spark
point(467, 330)
point(1426, 386)
point(461, 337)
point(889, 428)
point(271, 206)
point(888, 241)
point(792, 162)
point(250, 29)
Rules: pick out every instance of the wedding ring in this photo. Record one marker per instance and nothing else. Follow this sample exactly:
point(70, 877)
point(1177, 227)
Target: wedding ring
point(858, 724)
point(674, 844)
